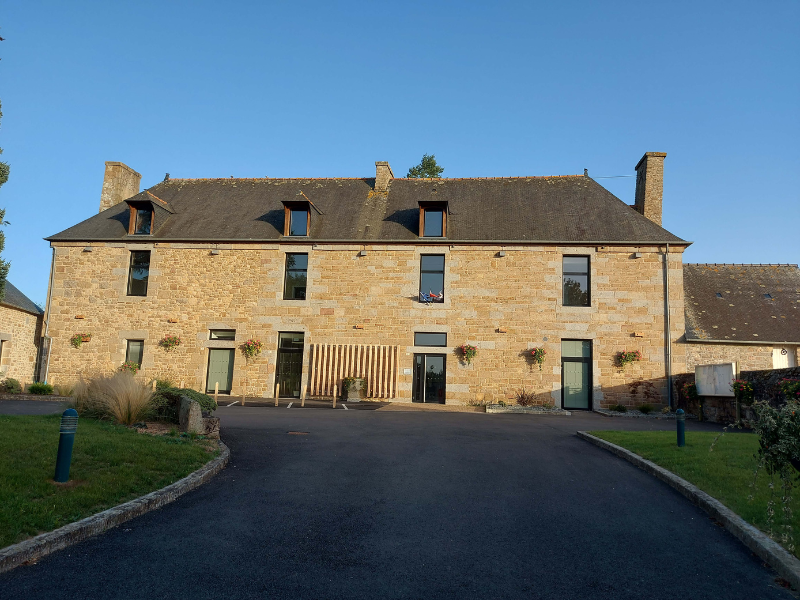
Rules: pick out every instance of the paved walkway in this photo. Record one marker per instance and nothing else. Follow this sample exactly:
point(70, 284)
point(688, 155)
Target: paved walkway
point(376, 504)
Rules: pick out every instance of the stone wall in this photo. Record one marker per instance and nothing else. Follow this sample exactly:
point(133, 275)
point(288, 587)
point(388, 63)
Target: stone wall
point(748, 357)
point(503, 305)
point(20, 332)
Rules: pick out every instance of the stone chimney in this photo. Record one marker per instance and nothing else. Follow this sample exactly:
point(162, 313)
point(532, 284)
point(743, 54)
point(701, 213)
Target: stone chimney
point(120, 183)
point(650, 185)
point(383, 174)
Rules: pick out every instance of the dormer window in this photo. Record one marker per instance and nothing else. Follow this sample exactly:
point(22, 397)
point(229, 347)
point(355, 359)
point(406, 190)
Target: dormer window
point(433, 219)
point(141, 220)
point(297, 219)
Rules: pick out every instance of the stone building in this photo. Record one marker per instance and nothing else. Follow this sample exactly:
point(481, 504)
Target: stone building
point(20, 332)
point(379, 277)
point(747, 314)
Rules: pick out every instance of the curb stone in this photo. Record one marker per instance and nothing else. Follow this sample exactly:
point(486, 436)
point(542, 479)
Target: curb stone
point(47, 543)
point(767, 549)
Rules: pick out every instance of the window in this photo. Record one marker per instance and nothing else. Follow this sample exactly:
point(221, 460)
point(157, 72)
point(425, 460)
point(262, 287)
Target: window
point(138, 273)
point(430, 339)
point(432, 219)
point(298, 222)
point(140, 221)
point(294, 286)
point(222, 334)
point(576, 281)
point(431, 278)
point(134, 352)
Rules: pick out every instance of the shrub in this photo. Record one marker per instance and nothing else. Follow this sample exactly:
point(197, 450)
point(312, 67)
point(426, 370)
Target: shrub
point(164, 383)
point(167, 402)
point(790, 388)
point(645, 409)
point(618, 408)
point(11, 386)
point(524, 397)
point(666, 410)
point(743, 391)
point(64, 390)
point(118, 397)
point(44, 389)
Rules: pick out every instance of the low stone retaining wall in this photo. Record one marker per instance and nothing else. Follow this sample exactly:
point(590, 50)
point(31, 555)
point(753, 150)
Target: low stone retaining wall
point(38, 397)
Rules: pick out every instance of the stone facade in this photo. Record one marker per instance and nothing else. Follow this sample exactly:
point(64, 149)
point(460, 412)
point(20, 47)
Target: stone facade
point(503, 305)
point(650, 185)
point(748, 357)
point(19, 332)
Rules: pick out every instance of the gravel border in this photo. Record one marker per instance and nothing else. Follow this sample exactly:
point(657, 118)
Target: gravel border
point(528, 410)
point(40, 546)
point(767, 549)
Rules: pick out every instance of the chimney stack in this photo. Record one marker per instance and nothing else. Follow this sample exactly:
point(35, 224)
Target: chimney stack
point(650, 185)
point(120, 183)
point(383, 174)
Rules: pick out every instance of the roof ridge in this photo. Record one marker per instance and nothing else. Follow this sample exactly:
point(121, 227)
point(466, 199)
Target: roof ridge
point(365, 178)
point(740, 264)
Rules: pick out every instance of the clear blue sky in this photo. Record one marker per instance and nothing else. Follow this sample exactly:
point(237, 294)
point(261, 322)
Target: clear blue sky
point(324, 89)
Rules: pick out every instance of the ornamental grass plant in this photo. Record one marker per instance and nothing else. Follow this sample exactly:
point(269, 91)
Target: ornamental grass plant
point(119, 397)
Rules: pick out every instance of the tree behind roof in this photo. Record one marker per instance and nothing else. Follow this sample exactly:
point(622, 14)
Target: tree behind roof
point(426, 168)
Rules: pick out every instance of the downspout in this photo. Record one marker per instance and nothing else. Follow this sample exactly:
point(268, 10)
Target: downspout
point(669, 328)
point(47, 321)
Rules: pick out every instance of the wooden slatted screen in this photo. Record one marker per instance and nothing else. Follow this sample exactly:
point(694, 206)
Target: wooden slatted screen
point(330, 363)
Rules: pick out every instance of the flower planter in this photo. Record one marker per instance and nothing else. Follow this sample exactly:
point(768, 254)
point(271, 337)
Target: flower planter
point(355, 389)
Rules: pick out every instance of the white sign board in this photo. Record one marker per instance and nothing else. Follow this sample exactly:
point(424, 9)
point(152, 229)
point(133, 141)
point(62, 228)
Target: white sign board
point(715, 380)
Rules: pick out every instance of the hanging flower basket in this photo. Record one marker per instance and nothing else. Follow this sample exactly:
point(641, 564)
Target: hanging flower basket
point(129, 367)
point(625, 358)
point(252, 348)
point(170, 342)
point(538, 355)
point(468, 352)
point(78, 339)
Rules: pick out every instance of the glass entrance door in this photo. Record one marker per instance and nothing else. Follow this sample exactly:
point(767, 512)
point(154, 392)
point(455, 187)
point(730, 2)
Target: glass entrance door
point(289, 372)
point(429, 378)
point(576, 374)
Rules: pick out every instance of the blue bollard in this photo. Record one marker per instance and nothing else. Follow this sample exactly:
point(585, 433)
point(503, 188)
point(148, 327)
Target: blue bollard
point(69, 425)
point(680, 419)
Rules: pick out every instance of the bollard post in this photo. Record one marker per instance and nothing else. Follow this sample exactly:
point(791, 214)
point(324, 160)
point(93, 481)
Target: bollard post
point(277, 392)
point(335, 391)
point(680, 421)
point(216, 390)
point(69, 425)
point(303, 397)
point(154, 385)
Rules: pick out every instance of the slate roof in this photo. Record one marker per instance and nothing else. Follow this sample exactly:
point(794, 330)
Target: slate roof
point(520, 209)
point(742, 313)
point(17, 299)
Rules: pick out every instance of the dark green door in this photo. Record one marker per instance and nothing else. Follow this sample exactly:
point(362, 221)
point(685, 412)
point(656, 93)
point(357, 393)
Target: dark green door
point(220, 369)
point(429, 378)
point(576, 374)
point(290, 364)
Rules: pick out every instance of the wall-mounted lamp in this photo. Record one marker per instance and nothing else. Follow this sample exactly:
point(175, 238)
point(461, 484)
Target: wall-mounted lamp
point(214, 252)
point(362, 253)
point(79, 317)
point(358, 327)
point(502, 330)
point(638, 334)
point(172, 320)
point(87, 249)
point(502, 253)
point(637, 255)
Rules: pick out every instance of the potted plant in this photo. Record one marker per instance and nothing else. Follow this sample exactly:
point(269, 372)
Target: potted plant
point(468, 352)
point(130, 367)
point(627, 357)
point(170, 342)
point(538, 355)
point(354, 388)
point(78, 339)
point(252, 348)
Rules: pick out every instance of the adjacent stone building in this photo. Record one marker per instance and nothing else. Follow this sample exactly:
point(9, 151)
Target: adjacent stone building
point(383, 278)
point(20, 332)
point(747, 314)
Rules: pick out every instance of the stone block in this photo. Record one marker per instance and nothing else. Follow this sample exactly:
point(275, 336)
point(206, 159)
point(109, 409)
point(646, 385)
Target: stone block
point(190, 417)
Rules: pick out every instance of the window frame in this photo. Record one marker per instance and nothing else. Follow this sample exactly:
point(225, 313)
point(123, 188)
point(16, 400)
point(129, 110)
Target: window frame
point(587, 274)
point(417, 344)
point(130, 272)
point(288, 209)
point(133, 218)
point(213, 332)
point(128, 351)
point(287, 270)
point(422, 271)
point(424, 208)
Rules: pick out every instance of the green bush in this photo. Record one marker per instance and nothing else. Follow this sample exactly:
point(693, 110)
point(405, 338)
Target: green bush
point(167, 402)
point(618, 408)
point(11, 386)
point(42, 389)
point(645, 409)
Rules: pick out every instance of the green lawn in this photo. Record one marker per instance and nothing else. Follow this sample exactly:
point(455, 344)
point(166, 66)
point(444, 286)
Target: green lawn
point(110, 465)
point(726, 473)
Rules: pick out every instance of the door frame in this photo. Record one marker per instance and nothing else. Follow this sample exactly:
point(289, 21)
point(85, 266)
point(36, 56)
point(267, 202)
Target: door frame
point(301, 352)
point(208, 369)
point(424, 370)
point(584, 359)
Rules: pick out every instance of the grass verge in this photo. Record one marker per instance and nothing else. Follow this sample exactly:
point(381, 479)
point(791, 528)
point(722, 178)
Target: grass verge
point(110, 465)
point(726, 473)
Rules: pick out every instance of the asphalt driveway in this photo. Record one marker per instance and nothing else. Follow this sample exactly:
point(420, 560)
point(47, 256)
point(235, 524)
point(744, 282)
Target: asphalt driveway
point(378, 504)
